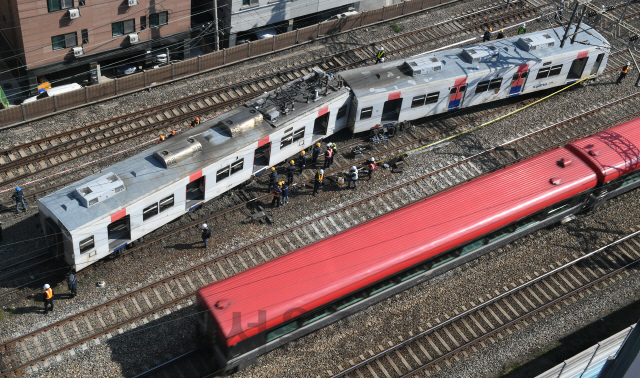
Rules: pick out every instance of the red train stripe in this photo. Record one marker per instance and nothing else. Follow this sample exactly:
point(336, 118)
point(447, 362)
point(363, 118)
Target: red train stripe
point(194, 176)
point(583, 54)
point(460, 82)
point(523, 67)
point(322, 112)
point(263, 141)
point(393, 96)
point(118, 215)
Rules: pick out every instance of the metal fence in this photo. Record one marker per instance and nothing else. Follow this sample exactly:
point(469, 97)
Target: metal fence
point(206, 62)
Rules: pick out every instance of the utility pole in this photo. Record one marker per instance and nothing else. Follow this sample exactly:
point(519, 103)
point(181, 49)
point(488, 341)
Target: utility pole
point(215, 21)
point(566, 31)
point(573, 39)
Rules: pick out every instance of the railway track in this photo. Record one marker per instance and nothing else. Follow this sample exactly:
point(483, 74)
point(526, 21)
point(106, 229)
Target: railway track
point(497, 313)
point(22, 162)
point(135, 308)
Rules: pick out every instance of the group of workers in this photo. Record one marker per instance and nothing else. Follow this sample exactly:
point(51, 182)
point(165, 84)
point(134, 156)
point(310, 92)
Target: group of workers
point(487, 34)
point(72, 285)
point(194, 123)
point(281, 189)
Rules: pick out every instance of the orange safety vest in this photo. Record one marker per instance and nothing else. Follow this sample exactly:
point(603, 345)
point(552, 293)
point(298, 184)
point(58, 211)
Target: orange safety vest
point(625, 69)
point(48, 293)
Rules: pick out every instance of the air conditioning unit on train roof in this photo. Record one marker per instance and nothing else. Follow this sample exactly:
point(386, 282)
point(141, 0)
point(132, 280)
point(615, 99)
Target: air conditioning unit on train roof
point(100, 189)
point(537, 41)
point(423, 65)
point(477, 54)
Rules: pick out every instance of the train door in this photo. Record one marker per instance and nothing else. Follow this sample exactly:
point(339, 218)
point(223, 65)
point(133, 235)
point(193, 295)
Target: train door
point(596, 65)
point(391, 110)
point(261, 157)
point(456, 95)
point(53, 238)
point(519, 79)
point(577, 68)
point(321, 124)
point(195, 192)
point(119, 232)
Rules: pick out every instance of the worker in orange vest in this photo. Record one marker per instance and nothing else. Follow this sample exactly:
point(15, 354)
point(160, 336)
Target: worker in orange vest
point(623, 73)
point(48, 298)
point(161, 139)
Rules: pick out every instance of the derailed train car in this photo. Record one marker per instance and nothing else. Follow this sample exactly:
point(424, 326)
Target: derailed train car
point(267, 306)
point(107, 211)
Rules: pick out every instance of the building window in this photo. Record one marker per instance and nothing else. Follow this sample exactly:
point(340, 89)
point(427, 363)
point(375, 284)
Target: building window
point(56, 5)
point(85, 36)
point(123, 27)
point(143, 22)
point(157, 19)
point(64, 41)
point(247, 3)
point(80, 3)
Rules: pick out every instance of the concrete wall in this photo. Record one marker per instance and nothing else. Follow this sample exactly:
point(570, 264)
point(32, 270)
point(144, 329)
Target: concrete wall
point(39, 25)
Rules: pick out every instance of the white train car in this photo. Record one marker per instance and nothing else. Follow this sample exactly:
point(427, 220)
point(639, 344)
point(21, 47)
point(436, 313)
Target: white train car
point(461, 77)
point(107, 211)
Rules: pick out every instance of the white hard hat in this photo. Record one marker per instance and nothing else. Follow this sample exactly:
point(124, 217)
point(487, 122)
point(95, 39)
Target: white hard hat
point(382, 48)
point(322, 171)
point(373, 159)
point(204, 225)
point(46, 286)
point(628, 63)
point(353, 168)
point(524, 24)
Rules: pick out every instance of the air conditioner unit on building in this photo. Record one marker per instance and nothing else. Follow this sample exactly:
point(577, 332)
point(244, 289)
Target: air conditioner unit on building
point(133, 2)
point(74, 13)
point(78, 51)
point(133, 38)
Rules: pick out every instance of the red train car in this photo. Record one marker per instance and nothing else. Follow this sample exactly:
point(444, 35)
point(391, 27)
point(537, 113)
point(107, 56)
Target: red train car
point(262, 308)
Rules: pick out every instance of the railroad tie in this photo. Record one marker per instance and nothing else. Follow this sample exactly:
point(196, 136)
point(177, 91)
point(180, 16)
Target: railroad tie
point(273, 253)
point(179, 285)
point(36, 342)
point(224, 274)
point(284, 251)
point(166, 285)
point(193, 287)
point(395, 367)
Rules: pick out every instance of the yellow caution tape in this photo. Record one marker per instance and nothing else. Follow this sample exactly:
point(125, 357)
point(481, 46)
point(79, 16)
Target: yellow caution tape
point(486, 123)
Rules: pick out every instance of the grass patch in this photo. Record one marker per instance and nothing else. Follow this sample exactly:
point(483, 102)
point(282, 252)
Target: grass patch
point(395, 28)
point(5, 314)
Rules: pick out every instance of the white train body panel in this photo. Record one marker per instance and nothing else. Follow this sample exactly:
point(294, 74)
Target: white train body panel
point(132, 197)
point(462, 77)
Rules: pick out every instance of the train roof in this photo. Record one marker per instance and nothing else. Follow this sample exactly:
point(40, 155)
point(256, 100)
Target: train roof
point(336, 266)
point(461, 62)
point(613, 152)
point(218, 138)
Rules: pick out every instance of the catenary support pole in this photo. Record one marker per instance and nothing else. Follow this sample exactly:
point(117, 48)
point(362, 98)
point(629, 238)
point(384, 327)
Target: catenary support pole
point(566, 31)
point(584, 10)
point(215, 20)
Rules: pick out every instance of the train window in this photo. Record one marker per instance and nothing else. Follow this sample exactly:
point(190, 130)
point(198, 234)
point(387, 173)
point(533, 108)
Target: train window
point(316, 318)
point(86, 244)
point(543, 73)
point(412, 273)
point(441, 261)
point(462, 88)
point(546, 64)
point(166, 203)
point(453, 90)
point(366, 112)
point(281, 331)
point(299, 134)
point(555, 70)
point(222, 174)
point(288, 130)
point(472, 247)
point(516, 77)
point(382, 287)
point(432, 98)
point(482, 86)
point(342, 111)
point(418, 101)
point(237, 166)
point(495, 83)
point(524, 74)
point(150, 212)
point(631, 178)
point(286, 140)
point(350, 301)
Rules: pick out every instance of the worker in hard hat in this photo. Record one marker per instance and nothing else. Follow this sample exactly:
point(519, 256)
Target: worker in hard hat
point(353, 177)
point(318, 181)
point(371, 166)
point(285, 194)
point(302, 160)
point(162, 138)
point(315, 154)
point(291, 170)
point(206, 234)
point(487, 35)
point(500, 34)
point(48, 298)
point(276, 192)
point(273, 179)
point(380, 55)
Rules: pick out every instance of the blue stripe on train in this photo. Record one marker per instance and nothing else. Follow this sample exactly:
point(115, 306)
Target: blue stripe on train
point(454, 104)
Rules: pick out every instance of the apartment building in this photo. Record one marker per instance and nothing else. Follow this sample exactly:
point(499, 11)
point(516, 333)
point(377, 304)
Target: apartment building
point(58, 38)
point(239, 16)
